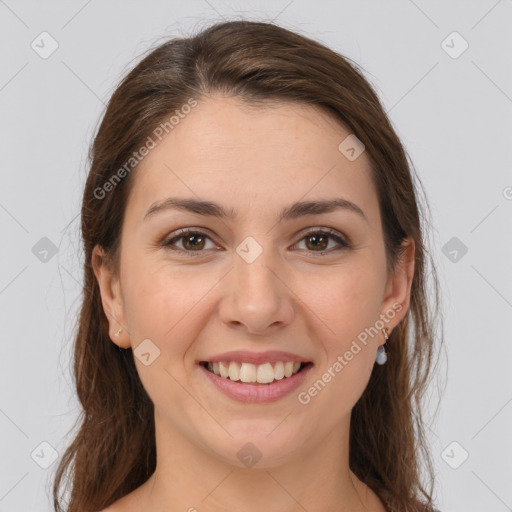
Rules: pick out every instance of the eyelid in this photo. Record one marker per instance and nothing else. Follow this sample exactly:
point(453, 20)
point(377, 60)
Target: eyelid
point(342, 240)
point(329, 231)
point(182, 233)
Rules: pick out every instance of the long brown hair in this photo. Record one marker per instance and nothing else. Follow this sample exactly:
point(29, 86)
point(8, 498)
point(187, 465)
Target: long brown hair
point(113, 451)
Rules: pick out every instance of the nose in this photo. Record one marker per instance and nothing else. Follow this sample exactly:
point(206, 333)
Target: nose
point(256, 297)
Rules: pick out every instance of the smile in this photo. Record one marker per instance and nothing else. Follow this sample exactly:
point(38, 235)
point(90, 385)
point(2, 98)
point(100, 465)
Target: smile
point(265, 373)
point(255, 383)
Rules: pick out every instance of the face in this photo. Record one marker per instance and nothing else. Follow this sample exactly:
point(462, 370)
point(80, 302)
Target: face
point(255, 288)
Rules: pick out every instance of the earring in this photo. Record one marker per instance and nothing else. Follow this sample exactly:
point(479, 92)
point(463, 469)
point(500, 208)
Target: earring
point(118, 332)
point(381, 356)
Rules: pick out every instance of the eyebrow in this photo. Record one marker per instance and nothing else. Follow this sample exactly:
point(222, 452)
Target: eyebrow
point(296, 210)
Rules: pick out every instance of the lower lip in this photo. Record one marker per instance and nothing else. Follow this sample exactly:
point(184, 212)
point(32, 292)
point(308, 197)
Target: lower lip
point(257, 393)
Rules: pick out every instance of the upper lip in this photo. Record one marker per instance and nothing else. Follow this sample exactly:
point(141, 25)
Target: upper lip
point(244, 356)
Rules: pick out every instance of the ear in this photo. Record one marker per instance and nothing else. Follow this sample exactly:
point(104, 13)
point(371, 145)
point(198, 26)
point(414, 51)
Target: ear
point(397, 294)
point(111, 298)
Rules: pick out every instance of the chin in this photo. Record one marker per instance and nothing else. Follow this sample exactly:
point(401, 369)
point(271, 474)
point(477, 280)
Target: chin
point(258, 444)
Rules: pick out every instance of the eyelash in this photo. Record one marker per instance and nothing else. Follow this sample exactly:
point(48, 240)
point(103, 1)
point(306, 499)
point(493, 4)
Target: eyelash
point(182, 233)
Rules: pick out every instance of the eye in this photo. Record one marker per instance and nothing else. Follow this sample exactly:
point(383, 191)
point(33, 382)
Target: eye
point(319, 241)
point(194, 241)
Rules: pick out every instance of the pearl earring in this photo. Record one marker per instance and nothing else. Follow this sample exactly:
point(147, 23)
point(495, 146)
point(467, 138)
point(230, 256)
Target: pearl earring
point(381, 356)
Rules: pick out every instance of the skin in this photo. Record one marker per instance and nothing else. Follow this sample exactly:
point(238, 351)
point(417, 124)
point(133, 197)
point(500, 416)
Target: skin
point(289, 298)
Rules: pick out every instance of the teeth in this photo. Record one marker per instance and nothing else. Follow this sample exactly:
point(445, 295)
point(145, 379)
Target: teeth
point(224, 370)
point(279, 370)
point(248, 372)
point(265, 373)
point(234, 371)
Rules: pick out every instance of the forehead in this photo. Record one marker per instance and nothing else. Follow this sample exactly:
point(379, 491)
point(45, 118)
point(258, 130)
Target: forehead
point(244, 156)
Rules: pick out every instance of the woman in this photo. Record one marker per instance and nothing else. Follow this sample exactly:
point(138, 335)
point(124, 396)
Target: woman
point(255, 332)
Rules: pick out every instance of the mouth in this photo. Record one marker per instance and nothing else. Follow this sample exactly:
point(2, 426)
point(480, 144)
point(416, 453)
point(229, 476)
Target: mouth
point(263, 374)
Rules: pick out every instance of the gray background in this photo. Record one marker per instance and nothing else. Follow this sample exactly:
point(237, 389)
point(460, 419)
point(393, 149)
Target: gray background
point(451, 109)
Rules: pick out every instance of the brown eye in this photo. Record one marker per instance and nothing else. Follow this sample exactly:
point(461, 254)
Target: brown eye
point(195, 242)
point(191, 241)
point(318, 241)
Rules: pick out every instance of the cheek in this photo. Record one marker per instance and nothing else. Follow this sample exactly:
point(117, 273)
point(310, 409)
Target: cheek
point(158, 299)
point(162, 304)
point(348, 303)
point(348, 310)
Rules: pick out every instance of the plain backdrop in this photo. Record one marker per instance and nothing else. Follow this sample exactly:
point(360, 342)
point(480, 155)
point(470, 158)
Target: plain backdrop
point(443, 72)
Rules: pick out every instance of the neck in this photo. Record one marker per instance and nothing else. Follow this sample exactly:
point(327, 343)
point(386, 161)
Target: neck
point(192, 479)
